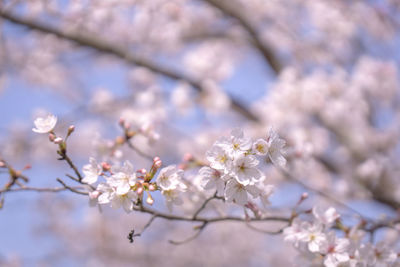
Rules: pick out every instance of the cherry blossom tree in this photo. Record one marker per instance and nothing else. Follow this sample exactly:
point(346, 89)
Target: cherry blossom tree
point(204, 132)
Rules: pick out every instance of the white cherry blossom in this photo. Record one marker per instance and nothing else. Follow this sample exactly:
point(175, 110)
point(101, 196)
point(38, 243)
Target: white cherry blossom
point(325, 216)
point(275, 149)
point(125, 200)
point(219, 158)
point(245, 171)
point(294, 232)
point(235, 192)
point(106, 193)
point(172, 196)
point(314, 236)
point(45, 125)
point(211, 179)
point(124, 179)
point(91, 171)
point(169, 178)
point(335, 249)
point(261, 147)
point(236, 144)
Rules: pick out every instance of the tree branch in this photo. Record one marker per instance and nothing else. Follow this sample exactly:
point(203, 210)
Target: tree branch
point(172, 217)
point(229, 9)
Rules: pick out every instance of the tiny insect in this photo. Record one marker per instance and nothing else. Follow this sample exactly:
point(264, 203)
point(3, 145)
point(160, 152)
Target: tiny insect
point(131, 235)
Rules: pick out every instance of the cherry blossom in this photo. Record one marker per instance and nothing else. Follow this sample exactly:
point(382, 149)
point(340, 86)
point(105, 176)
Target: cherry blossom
point(45, 124)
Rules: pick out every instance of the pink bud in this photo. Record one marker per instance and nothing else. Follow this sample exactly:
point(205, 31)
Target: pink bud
point(152, 187)
point(2, 164)
point(27, 167)
point(303, 197)
point(142, 171)
point(188, 157)
point(182, 166)
point(149, 199)
point(52, 137)
point(93, 195)
point(105, 166)
point(71, 129)
point(140, 190)
point(158, 164)
point(58, 140)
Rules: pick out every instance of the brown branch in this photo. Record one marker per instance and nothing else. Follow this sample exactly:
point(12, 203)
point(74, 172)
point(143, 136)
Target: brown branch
point(72, 165)
point(252, 227)
point(37, 189)
point(229, 9)
point(203, 206)
point(100, 45)
point(172, 217)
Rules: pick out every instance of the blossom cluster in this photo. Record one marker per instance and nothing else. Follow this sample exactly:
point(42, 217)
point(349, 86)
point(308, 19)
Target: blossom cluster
point(233, 166)
point(318, 243)
point(125, 187)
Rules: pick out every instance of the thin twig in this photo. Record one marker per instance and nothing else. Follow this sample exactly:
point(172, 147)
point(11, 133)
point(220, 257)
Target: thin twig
point(71, 188)
point(38, 189)
point(198, 232)
point(137, 150)
point(72, 165)
point(252, 227)
point(172, 217)
point(73, 178)
point(202, 207)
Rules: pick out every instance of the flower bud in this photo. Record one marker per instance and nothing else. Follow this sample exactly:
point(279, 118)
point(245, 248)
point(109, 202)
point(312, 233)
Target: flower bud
point(152, 187)
point(119, 140)
point(58, 140)
point(188, 157)
point(52, 137)
point(158, 164)
point(94, 194)
point(139, 190)
point(71, 129)
point(149, 199)
point(130, 134)
point(142, 171)
point(27, 167)
point(105, 166)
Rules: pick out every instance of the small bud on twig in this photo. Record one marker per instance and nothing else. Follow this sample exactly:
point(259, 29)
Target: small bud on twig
point(152, 187)
point(58, 140)
point(106, 166)
point(149, 199)
point(140, 190)
point(52, 137)
point(119, 140)
point(188, 157)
